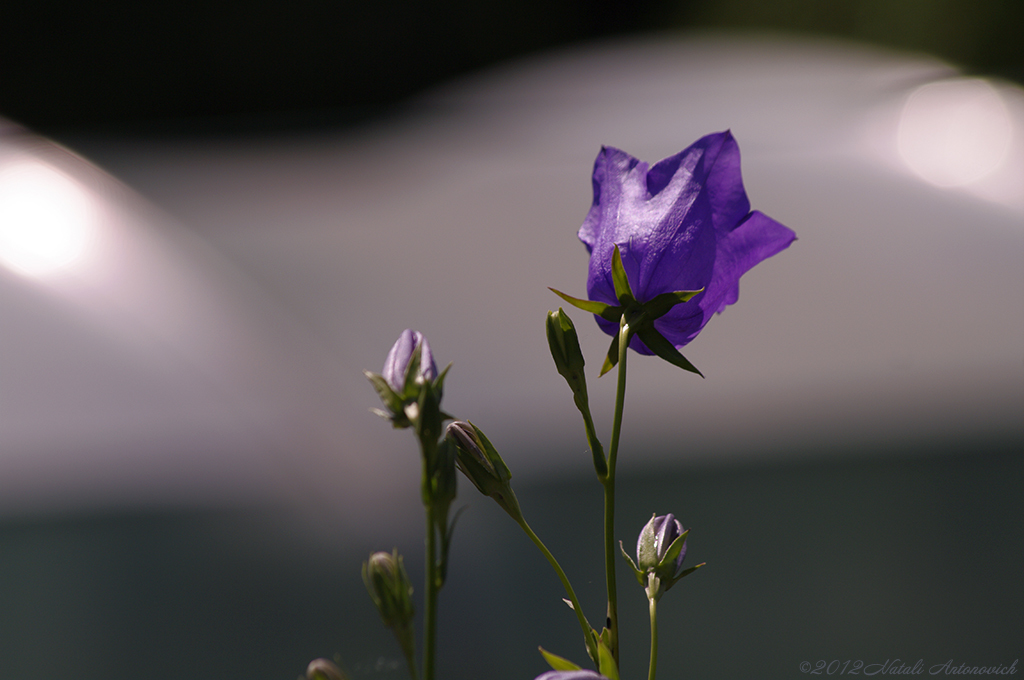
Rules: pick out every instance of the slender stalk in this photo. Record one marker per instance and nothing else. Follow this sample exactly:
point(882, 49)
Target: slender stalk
point(588, 632)
point(654, 639)
point(408, 649)
point(600, 464)
point(625, 335)
point(430, 599)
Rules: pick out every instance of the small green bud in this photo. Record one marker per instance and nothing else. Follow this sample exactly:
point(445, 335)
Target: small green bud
point(389, 587)
point(565, 350)
point(324, 669)
point(482, 464)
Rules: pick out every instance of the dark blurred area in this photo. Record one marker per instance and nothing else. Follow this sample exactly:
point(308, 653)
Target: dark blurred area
point(240, 66)
point(872, 559)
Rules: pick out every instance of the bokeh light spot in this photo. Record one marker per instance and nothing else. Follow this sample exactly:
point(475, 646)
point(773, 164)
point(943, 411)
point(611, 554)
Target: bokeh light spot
point(955, 132)
point(46, 218)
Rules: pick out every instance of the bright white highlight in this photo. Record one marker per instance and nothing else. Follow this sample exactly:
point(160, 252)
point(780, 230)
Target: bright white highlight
point(46, 218)
point(954, 133)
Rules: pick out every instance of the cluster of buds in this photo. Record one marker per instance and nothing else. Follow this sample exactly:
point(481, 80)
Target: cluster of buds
point(660, 552)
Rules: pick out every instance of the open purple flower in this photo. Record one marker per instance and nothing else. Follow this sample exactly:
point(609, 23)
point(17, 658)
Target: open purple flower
point(684, 224)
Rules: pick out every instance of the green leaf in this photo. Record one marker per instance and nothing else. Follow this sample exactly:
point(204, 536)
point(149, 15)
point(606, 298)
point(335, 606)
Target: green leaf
point(639, 574)
point(673, 550)
point(661, 304)
point(606, 662)
point(684, 573)
point(612, 357)
point(622, 290)
point(387, 395)
point(439, 381)
point(605, 311)
point(657, 343)
point(556, 662)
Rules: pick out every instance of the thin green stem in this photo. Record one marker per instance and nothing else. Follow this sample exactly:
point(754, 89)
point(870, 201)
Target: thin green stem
point(430, 599)
point(625, 335)
point(588, 631)
point(654, 639)
point(407, 641)
point(600, 464)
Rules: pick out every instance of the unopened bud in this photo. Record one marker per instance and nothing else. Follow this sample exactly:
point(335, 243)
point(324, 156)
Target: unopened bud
point(482, 464)
point(565, 350)
point(660, 551)
point(324, 669)
point(389, 588)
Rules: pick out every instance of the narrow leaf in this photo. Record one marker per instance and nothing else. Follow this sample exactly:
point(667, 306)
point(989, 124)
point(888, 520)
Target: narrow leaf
point(612, 357)
point(392, 400)
point(622, 290)
point(684, 573)
point(673, 550)
point(603, 310)
point(556, 662)
point(661, 304)
point(639, 574)
point(606, 662)
point(657, 343)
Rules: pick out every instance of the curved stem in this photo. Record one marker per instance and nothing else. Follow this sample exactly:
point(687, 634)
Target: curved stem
point(588, 631)
point(654, 639)
point(430, 599)
point(625, 335)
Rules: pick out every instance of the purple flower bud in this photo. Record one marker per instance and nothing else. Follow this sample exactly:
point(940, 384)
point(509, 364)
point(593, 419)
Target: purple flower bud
point(684, 224)
point(397, 363)
point(324, 669)
point(571, 675)
point(654, 542)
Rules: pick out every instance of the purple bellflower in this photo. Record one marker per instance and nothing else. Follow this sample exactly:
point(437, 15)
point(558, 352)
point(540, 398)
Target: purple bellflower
point(685, 235)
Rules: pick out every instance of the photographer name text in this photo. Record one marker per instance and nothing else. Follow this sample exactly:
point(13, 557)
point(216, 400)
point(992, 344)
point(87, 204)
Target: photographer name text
point(899, 667)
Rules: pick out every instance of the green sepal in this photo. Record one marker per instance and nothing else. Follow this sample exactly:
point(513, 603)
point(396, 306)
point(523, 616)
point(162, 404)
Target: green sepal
point(439, 382)
point(603, 310)
point(684, 573)
point(392, 400)
point(612, 357)
point(672, 554)
point(606, 665)
point(493, 457)
point(659, 305)
point(623, 293)
point(412, 370)
point(657, 343)
point(636, 570)
point(558, 663)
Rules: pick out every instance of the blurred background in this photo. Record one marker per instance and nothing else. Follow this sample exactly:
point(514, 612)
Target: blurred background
point(214, 216)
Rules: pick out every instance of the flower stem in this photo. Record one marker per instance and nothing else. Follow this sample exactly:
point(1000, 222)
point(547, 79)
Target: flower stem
point(625, 335)
point(654, 639)
point(430, 598)
point(600, 464)
point(588, 631)
point(409, 651)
